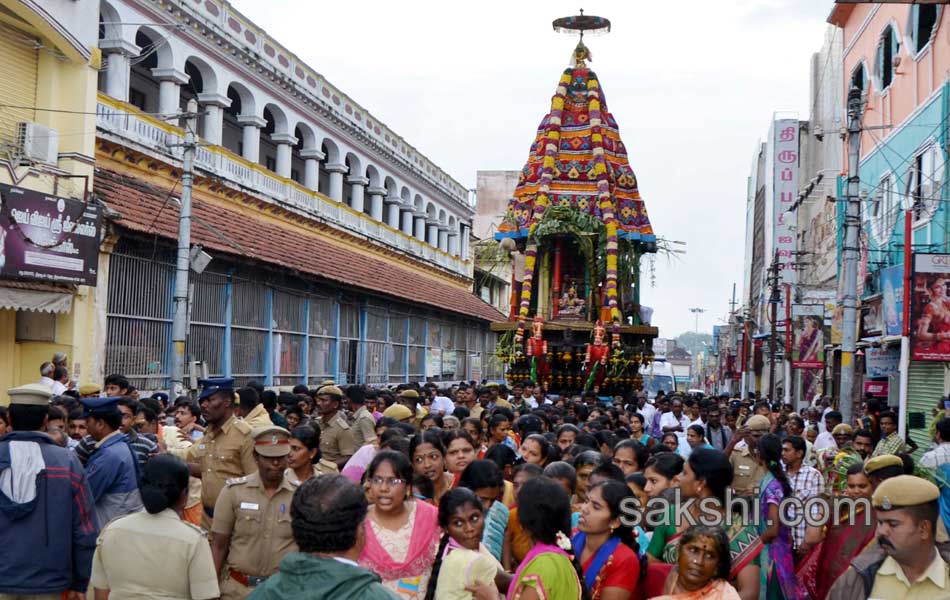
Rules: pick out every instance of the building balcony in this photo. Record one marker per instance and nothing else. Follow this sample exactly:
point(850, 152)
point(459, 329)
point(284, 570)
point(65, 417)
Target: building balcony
point(123, 123)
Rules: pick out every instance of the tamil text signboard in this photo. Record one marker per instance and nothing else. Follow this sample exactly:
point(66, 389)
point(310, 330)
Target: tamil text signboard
point(47, 238)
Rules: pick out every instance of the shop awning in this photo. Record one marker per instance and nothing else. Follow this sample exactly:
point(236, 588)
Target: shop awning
point(36, 296)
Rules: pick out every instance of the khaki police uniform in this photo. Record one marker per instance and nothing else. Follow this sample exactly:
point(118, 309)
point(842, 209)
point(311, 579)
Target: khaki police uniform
point(363, 427)
point(258, 524)
point(322, 467)
point(125, 564)
point(747, 472)
point(222, 454)
point(336, 438)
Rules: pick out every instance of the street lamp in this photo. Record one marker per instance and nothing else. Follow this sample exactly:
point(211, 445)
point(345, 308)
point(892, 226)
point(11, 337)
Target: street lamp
point(696, 312)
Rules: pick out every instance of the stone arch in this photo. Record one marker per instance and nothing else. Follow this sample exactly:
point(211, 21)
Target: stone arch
point(302, 151)
point(353, 169)
point(110, 23)
point(242, 99)
point(205, 72)
point(331, 150)
point(442, 217)
point(331, 156)
point(411, 225)
point(391, 188)
point(372, 173)
point(277, 116)
point(158, 45)
point(243, 104)
point(306, 136)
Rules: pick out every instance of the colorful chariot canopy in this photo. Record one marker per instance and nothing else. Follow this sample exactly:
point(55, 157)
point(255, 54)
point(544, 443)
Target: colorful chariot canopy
point(578, 161)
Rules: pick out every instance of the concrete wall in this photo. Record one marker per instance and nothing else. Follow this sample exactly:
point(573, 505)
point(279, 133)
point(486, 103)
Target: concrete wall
point(493, 189)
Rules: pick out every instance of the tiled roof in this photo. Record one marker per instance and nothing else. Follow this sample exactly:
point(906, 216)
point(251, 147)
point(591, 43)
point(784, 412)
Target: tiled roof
point(143, 208)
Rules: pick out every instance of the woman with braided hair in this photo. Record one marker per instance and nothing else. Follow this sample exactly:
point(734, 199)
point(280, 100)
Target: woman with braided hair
point(777, 572)
point(463, 564)
point(328, 515)
point(550, 571)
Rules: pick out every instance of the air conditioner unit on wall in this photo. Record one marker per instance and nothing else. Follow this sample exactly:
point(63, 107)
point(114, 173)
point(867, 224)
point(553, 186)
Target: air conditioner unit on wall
point(37, 143)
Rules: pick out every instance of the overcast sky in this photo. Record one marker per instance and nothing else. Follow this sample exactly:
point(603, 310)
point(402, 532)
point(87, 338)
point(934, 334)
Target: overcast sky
point(692, 85)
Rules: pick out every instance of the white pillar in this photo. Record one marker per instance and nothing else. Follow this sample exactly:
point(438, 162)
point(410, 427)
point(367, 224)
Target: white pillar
point(392, 211)
point(356, 195)
point(443, 235)
point(420, 226)
point(213, 106)
point(463, 233)
point(454, 243)
point(311, 167)
point(376, 202)
point(904, 370)
point(251, 139)
point(285, 144)
point(408, 220)
point(117, 54)
point(336, 172)
point(432, 232)
point(170, 81)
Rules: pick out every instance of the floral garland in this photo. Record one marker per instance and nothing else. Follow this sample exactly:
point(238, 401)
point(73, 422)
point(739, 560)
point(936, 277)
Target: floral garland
point(604, 199)
point(551, 142)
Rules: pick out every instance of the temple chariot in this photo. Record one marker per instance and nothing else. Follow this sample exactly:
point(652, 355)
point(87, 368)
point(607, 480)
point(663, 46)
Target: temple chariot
point(576, 230)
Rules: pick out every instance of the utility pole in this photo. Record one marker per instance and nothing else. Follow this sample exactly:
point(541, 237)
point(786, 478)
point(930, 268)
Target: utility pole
point(852, 227)
point(774, 279)
point(183, 258)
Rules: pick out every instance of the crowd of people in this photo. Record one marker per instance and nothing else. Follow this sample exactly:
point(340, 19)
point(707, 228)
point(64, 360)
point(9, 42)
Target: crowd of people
point(461, 492)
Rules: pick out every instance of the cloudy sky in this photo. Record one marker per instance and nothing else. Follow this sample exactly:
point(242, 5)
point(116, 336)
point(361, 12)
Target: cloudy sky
point(692, 85)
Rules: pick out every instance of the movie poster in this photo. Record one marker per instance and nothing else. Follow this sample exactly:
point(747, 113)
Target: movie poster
point(808, 343)
point(930, 308)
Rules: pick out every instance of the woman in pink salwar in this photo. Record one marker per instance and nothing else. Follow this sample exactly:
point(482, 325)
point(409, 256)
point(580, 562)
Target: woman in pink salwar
point(402, 535)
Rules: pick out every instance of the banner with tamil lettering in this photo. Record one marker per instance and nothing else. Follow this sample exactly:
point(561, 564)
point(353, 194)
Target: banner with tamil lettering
point(48, 238)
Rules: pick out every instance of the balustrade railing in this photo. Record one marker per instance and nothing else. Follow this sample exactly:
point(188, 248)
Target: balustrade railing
point(141, 129)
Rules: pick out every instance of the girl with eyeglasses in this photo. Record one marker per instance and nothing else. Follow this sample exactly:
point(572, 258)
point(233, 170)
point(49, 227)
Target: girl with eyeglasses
point(402, 534)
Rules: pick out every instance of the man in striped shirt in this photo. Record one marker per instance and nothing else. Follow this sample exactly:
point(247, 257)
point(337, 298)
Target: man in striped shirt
point(806, 483)
point(941, 454)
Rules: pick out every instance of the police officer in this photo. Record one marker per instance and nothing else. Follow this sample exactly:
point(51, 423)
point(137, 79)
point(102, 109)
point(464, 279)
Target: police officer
point(336, 437)
point(906, 562)
point(747, 471)
point(226, 451)
point(252, 531)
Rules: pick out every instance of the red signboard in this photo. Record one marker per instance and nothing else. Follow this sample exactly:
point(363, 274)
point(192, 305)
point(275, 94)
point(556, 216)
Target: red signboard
point(877, 389)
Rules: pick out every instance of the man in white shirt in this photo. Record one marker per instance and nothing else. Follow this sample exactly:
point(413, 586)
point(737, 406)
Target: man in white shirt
point(826, 440)
point(676, 422)
point(60, 381)
point(941, 454)
point(46, 374)
point(441, 405)
point(646, 409)
point(527, 396)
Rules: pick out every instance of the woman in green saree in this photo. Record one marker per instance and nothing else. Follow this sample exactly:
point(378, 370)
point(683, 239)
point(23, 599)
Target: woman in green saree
point(707, 474)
